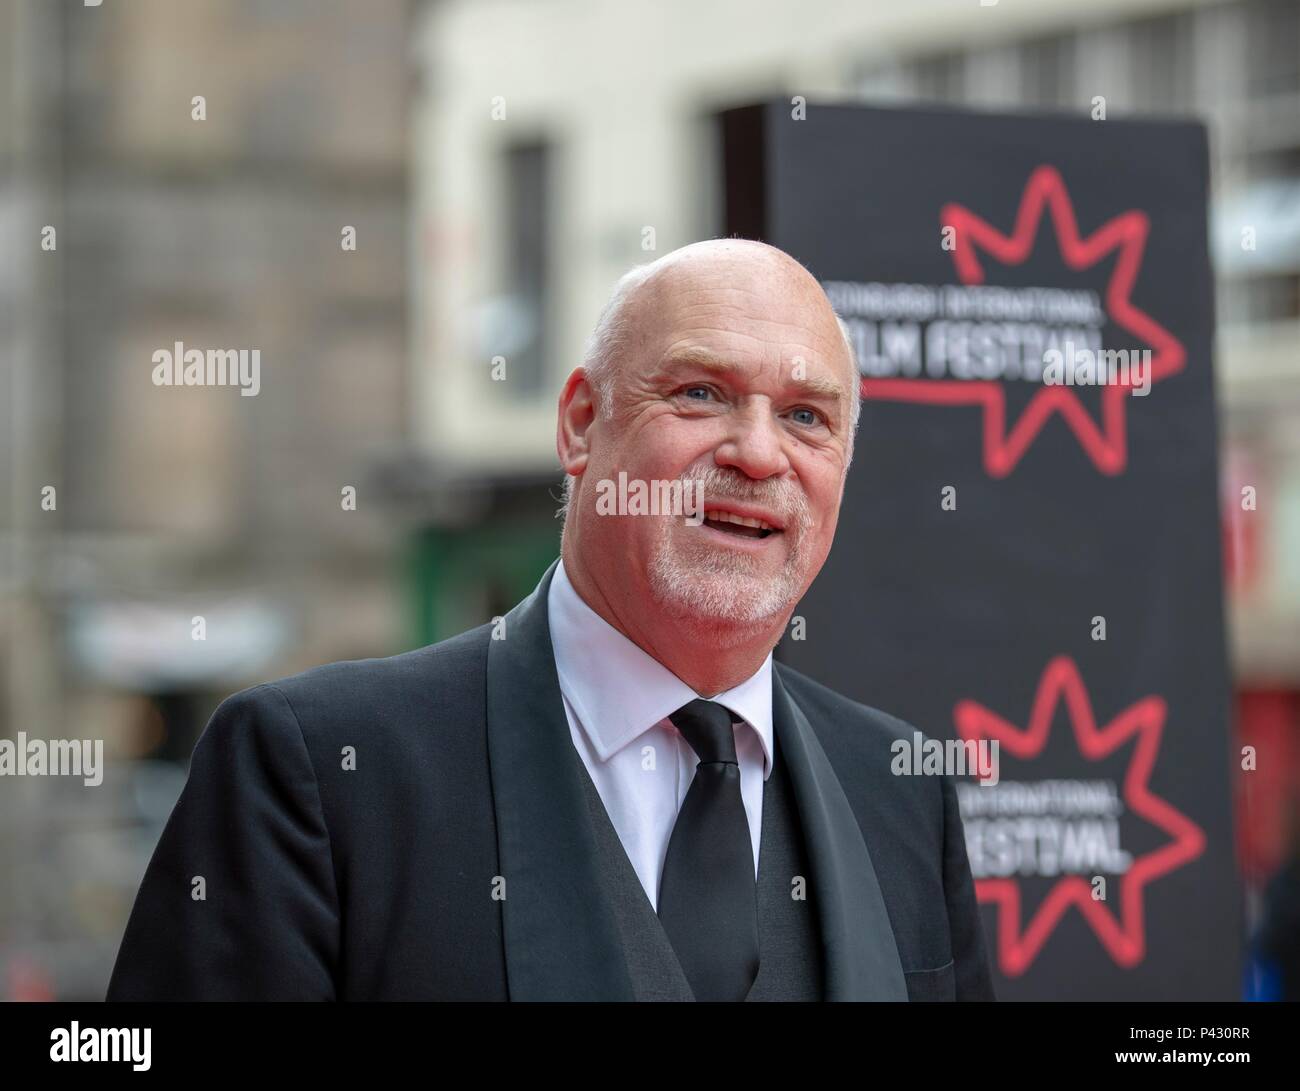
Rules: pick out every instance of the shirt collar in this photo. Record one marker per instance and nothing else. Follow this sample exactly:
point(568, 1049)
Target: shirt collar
point(619, 691)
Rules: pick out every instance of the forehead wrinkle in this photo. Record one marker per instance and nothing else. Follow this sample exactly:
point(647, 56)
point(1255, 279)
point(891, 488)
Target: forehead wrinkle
point(780, 315)
point(792, 338)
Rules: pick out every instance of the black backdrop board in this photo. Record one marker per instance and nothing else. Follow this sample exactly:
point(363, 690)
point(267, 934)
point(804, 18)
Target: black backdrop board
point(1070, 506)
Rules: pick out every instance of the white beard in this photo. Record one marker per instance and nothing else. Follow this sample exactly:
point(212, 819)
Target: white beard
point(711, 587)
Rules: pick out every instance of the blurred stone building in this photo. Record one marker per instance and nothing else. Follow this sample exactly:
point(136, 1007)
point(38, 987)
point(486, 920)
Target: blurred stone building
point(218, 225)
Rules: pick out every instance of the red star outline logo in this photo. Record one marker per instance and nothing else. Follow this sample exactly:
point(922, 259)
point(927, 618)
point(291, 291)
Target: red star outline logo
point(1106, 445)
point(1123, 938)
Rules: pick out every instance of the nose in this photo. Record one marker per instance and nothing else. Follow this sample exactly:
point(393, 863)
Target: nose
point(754, 443)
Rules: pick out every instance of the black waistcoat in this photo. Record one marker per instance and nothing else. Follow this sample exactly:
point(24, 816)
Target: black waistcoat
point(790, 961)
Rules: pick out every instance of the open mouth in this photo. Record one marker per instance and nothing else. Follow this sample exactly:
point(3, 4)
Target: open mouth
point(739, 525)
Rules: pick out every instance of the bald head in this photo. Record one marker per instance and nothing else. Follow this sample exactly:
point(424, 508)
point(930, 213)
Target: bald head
point(724, 271)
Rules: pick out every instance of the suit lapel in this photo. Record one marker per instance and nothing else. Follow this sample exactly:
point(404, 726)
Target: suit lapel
point(561, 939)
point(861, 957)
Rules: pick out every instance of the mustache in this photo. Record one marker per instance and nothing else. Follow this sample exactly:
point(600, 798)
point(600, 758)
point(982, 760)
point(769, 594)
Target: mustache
point(782, 499)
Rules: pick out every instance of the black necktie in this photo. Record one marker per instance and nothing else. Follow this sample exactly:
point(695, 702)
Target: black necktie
point(707, 896)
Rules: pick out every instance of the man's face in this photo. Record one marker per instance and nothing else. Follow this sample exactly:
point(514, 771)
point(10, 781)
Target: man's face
point(739, 379)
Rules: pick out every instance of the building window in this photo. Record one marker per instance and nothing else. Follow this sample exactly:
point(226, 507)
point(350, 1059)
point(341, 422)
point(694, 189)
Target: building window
point(1273, 43)
point(1047, 72)
point(940, 78)
point(1162, 64)
point(523, 316)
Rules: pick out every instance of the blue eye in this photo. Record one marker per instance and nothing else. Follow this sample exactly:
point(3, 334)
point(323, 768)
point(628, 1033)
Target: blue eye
point(690, 390)
point(811, 415)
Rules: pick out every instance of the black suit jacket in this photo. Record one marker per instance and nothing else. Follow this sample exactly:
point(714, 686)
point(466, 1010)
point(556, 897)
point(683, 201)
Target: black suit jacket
point(415, 828)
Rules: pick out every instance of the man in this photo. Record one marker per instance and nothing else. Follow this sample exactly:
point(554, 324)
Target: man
point(613, 793)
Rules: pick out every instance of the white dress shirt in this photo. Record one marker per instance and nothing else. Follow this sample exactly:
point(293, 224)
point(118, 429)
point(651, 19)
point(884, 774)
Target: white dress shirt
point(618, 699)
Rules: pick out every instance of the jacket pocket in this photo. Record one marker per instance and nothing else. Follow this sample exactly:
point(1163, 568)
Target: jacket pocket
point(931, 985)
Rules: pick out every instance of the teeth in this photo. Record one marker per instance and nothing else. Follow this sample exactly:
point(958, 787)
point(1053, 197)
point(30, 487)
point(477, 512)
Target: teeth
point(731, 517)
